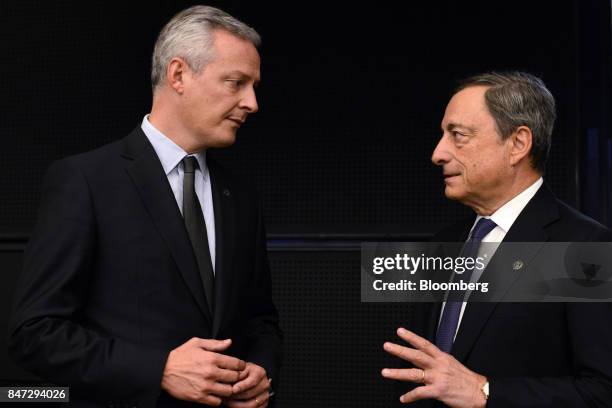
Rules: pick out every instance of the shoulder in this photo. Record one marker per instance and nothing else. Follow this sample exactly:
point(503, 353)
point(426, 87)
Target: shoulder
point(556, 220)
point(88, 165)
point(101, 162)
point(572, 225)
point(90, 161)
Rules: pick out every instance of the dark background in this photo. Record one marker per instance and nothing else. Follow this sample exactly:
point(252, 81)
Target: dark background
point(350, 107)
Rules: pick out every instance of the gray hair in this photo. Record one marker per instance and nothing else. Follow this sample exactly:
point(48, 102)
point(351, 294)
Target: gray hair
point(189, 35)
point(519, 99)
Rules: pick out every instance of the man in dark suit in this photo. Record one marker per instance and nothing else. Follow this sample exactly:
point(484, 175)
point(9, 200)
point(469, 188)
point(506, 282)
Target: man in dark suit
point(496, 137)
point(146, 280)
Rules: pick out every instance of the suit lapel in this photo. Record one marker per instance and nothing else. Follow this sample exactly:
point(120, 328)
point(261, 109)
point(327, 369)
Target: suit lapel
point(224, 209)
point(530, 225)
point(146, 172)
point(479, 309)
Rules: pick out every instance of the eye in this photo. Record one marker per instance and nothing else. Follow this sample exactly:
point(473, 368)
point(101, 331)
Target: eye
point(234, 84)
point(458, 136)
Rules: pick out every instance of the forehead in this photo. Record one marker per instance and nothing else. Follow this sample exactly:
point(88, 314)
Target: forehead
point(235, 54)
point(467, 107)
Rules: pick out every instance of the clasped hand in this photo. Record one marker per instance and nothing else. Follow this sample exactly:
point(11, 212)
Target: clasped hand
point(197, 371)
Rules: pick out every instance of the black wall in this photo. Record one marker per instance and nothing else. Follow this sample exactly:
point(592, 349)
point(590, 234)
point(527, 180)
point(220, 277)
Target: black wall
point(350, 106)
point(351, 99)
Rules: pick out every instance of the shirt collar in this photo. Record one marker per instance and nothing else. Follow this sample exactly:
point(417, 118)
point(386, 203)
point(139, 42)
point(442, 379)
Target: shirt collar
point(505, 216)
point(170, 154)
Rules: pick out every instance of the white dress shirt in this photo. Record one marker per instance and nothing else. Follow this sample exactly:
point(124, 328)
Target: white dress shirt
point(171, 155)
point(504, 217)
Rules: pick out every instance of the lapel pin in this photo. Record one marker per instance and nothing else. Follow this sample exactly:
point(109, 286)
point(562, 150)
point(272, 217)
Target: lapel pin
point(518, 264)
point(226, 192)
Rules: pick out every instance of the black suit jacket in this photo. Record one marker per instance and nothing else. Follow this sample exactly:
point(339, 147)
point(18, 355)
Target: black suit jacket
point(110, 284)
point(534, 354)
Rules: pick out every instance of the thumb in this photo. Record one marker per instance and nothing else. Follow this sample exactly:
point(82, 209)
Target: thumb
point(214, 345)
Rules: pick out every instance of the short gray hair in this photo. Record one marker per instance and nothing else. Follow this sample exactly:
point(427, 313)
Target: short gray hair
point(189, 35)
point(519, 99)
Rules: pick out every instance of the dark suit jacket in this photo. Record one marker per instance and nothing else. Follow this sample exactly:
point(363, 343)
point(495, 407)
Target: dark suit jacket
point(110, 284)
point(534, 354)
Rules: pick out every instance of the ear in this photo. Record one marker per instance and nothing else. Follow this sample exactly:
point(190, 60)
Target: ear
point(176, 74)
point(520, 144)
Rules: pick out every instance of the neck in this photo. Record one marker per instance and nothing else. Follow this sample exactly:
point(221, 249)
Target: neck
point(164, 117)
point(518, 184)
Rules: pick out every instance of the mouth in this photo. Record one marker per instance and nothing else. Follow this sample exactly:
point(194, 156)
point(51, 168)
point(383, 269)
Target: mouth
point(237, 121)
point(448, 176)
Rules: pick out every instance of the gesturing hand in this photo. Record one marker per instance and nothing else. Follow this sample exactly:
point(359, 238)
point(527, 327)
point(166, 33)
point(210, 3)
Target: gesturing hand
point(195, 371)
point(443, 377)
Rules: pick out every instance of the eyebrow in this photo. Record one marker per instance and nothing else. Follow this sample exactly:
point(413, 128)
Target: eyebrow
point(456, 126)
point(242, 74)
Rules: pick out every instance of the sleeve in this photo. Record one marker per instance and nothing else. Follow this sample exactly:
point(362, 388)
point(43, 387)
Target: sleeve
point(590, 329)
point(46, 334)
point(264, 335)
point(591, 336)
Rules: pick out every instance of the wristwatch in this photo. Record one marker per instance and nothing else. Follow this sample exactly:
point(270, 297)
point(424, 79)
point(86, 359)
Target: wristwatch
point(485, 390)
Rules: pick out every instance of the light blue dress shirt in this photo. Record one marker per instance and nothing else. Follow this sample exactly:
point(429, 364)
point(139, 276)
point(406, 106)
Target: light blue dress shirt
point(171, 155)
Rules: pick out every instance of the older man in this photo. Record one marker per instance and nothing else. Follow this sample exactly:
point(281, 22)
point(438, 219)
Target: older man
point(496, 137)
point(146, 280)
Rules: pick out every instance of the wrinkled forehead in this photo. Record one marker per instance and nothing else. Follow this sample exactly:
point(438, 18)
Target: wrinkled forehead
point(232, 53)
point(467, 108)
point(229, 45)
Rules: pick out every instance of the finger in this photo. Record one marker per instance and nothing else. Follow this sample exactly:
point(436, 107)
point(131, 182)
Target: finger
point(259, 401)
point(225, 376)
point(239, 404)
point(220, 390)
point(416, 357)
point(228, 362)
point(235, 403)
point(260, 388)
point(212, 344)
point(211, 400)
point(414, 375)
point(263, 399)
point(419, 393)
point(243, 374)
point(254, 376)
point(418, 342)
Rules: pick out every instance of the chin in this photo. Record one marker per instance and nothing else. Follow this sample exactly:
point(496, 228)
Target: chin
point(223, 141)
point(453, 194)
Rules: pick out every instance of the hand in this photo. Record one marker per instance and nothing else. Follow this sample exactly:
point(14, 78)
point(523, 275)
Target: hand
point(443, 377)
point(195, 371)
point(252, 391)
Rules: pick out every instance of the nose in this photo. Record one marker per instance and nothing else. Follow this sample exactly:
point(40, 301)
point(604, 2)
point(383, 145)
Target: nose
point(441, 154)
point(249, 101)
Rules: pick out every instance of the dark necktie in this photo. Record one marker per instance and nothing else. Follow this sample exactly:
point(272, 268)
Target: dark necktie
point(196, 229)
point(452, 309)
